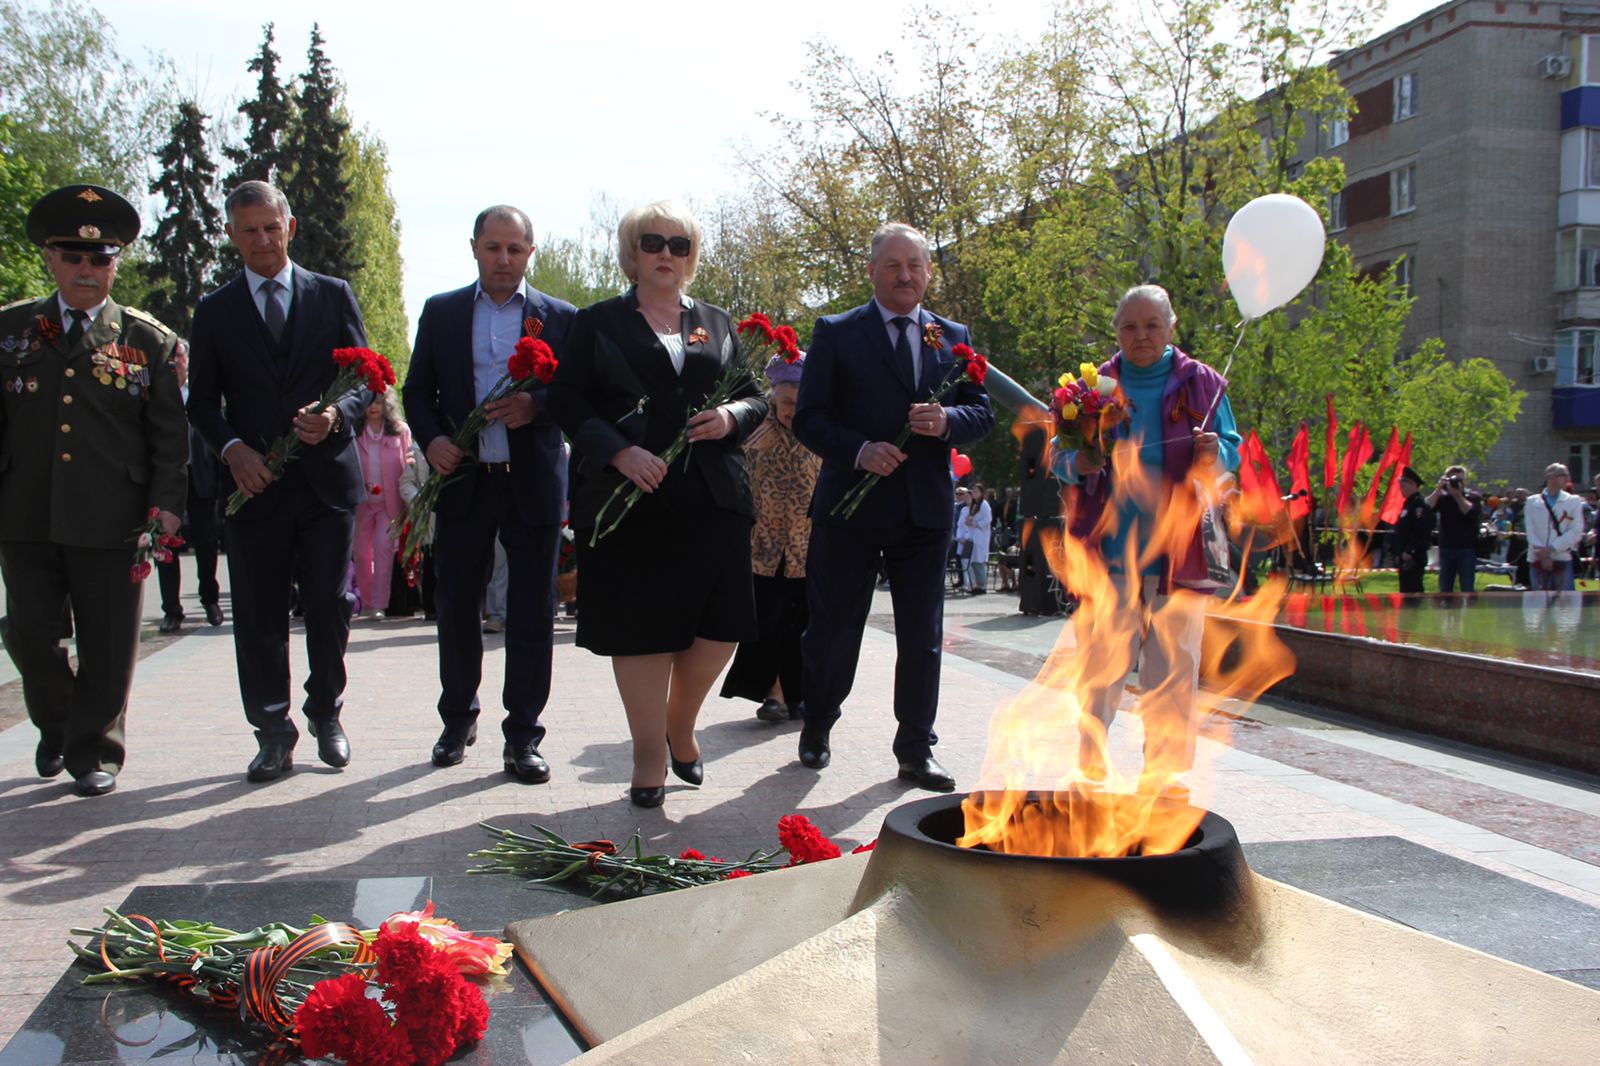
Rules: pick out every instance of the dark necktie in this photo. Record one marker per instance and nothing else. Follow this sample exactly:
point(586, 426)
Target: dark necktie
point(902, 347)
point(75, 330)
point(273, 313)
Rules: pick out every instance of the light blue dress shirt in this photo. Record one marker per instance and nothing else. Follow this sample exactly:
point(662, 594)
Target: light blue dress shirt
point(496, 328)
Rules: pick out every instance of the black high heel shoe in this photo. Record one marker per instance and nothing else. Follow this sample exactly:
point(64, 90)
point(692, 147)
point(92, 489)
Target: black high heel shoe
point(647, 797)
point(692, 772)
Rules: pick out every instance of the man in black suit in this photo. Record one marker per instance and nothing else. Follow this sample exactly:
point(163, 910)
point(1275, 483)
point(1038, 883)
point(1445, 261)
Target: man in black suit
point(868, 372)
point(263, 344)
point(200, 530)
point(513, 486)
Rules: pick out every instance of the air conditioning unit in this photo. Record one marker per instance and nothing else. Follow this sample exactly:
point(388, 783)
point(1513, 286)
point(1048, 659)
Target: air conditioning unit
point(1555, 66)
point(1544, 364)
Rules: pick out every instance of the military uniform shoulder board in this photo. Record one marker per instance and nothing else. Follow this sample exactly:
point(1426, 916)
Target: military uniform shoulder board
point(28, 302)
point(148, 319)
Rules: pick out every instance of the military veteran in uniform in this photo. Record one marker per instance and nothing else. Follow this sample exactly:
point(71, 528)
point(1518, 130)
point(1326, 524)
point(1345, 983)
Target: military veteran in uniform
point(91, 439)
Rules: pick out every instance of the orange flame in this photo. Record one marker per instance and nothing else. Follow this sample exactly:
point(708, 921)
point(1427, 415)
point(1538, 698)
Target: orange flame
point(1049, 784)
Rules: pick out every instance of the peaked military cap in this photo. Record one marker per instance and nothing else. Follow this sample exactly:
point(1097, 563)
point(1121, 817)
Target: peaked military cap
point(83, 218)
point(1408, 474)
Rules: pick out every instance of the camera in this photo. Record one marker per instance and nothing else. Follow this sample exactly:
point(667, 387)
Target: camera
point(1455, 482)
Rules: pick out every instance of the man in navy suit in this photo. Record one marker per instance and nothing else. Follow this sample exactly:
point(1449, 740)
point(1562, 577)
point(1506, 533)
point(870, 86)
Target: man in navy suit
point(868, 372)
point(512, 486)
point(263, 346)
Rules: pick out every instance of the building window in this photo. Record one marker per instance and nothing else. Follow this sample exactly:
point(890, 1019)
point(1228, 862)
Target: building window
point(1590, 75)
point(1402, 274)
point(1336, 212)
point(1338, 132)
point(1578, 258)
point(1405, 96)
point(1591, 159)
point(1576, 357)
point(1403, 189)
point(1583, 463)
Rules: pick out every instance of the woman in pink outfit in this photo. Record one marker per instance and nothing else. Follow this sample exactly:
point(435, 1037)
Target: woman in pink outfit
point(384, 445)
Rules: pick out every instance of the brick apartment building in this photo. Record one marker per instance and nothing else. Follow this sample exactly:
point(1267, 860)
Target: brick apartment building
point(1474, 161)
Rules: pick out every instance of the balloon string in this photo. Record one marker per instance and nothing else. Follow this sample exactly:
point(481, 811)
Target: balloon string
point(1215, 399)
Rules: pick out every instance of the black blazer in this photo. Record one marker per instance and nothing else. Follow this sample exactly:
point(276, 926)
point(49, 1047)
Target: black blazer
point(232, 360)
point(616, 387)
point(440, 391)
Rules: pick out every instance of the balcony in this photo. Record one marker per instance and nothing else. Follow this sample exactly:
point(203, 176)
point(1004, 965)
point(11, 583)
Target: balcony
point(1575, 407)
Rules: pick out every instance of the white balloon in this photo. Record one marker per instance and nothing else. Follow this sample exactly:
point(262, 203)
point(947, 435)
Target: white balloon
point(1271, 250)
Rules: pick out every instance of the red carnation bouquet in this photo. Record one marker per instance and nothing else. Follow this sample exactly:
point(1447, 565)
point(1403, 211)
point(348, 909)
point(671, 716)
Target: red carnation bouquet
point(532, 362)
point(1086, 409)
point(971, 367)
point(152, 545)
point(762, 340)
point(357, 366)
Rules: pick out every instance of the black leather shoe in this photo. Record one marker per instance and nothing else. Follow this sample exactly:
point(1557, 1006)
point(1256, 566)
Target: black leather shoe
point(527, 764)
point(692, 772)
point(275, 757)
point(95, 783)
point(213, 614)
point(171, 623)
point(814, 750)
point(48, 761)
point(453, 744)
point(647, 797)
point(772, 711)
point(928, 774)
point(333, 747)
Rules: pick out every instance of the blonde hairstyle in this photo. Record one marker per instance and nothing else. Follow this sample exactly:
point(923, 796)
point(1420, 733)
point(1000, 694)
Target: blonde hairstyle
point(639, 221)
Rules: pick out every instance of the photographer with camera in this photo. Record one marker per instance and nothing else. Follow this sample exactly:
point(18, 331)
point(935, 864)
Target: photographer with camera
point(1460, 512)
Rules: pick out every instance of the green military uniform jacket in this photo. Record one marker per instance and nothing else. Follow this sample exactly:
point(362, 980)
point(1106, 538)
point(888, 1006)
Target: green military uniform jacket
point(91, 438)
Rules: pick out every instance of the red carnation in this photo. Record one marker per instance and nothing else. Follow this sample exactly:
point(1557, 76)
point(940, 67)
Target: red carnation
point(544, 367)
point(758, 324)
point(736, 873)
point(154, 512)
point(691, 855)
point(788, 342)
point(977, 368)
point(140, 571)
point(803, 841)
point(339, 1020)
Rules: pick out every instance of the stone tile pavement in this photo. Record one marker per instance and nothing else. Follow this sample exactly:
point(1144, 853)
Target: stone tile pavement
point(183, 812)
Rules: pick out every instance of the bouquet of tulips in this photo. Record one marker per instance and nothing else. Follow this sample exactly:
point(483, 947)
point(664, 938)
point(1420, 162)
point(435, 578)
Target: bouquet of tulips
point(152, 545)
point(1086, 409)
point(357, 366)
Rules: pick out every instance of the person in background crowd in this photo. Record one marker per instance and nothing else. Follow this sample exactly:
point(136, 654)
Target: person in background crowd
point(1460, 513)
point(384, 446)
point(74, 430)
point(1555, 531)
point(974, 527)
point(1517, 542)
point(1413, 533)
point(960, 546)
point(1501, 521)
point(510, 489)
point(201, 523)
point(260, 360)
point(417, 575)
point(783, 476)
point(667, 593)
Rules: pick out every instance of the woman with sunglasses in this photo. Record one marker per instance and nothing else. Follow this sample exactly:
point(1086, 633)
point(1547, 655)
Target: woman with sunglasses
point(667, 593)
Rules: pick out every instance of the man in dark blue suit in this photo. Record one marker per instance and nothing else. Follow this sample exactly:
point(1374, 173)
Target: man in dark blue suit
point(513, 486)
point(263, 346)
point(868, 372)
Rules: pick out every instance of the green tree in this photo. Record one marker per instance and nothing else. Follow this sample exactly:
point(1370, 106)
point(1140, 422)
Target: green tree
point(745, 263)
point(186, 238)
point(1455, 410)
point(22, 272)
point(317, 187)
point(375, 235)
point(261, 157)
point(578, 271)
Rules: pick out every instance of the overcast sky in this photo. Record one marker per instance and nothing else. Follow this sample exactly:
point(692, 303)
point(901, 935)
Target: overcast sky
point(543, 105)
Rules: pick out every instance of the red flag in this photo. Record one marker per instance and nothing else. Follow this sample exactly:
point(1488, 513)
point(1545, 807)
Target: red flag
point(1391, 452)
point(1300, 473)
point(1392, 500)
point(1357, 450)
point(1331, 457)
point(1260, 497)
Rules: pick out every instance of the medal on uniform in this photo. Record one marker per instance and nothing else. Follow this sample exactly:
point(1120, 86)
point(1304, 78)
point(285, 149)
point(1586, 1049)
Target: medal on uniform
point(33, 384)
point(133, 390)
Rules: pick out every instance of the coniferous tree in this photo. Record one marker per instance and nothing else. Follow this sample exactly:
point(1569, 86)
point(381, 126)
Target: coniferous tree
point(186, 238)
point(268, 116)
point(318, 190)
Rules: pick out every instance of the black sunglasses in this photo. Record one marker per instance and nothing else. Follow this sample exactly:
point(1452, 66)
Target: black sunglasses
point(99, 259)
point(651, 243)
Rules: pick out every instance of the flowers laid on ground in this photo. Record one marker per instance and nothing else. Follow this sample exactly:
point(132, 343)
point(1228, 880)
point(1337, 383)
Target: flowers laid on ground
point(970, 366)
point(393, 995)
point(1086, 410)
point(357, 366)
point(546, 857)
point(151, 545)
point(532, 362)
point(761, 340)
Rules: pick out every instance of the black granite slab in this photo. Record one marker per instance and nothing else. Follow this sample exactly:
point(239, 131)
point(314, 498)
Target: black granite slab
point(1418, 887)
point(139, 1023)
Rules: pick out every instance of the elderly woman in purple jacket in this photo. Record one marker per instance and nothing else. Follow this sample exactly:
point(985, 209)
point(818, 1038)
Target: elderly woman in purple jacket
point(1158, 615)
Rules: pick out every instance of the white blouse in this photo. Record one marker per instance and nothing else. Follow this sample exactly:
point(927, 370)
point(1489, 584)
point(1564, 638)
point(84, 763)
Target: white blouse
point(673, 343)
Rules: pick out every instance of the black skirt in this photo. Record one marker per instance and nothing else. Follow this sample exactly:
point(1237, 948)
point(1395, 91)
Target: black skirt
point(667, 575)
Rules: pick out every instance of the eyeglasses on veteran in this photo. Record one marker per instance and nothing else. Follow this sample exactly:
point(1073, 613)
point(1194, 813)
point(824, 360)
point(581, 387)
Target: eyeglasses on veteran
point(651, 243)
point(99, 259)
